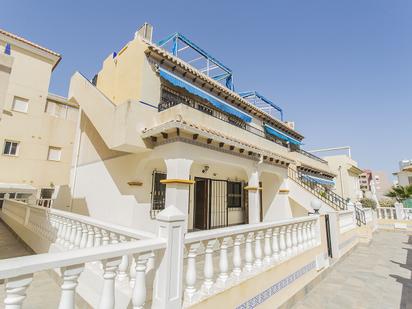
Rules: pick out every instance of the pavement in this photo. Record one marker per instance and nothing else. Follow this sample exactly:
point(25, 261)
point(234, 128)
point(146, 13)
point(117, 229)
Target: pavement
point(375, 276)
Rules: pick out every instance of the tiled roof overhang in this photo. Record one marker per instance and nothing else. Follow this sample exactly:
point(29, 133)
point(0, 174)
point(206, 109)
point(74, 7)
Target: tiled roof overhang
point(308, 168)
point(36, 46)
point(215, 135)
point(163, 55)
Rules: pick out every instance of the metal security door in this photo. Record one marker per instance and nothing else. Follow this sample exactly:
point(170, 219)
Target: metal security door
point(218, 213)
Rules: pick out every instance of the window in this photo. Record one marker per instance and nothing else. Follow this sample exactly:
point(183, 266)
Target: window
point(54, 153)
point(20, 105)
point(11, 148)
point(158, 193)
point(234, 194)
point(61, 111)
point(410, 180)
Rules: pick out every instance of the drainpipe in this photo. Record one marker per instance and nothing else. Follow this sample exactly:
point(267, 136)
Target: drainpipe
point(341, 181)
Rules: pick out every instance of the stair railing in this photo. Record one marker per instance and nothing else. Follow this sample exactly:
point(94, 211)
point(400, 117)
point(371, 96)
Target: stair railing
point(331, 198)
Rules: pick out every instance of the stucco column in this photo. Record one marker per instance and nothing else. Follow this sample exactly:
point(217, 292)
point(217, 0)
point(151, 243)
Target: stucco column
point(178, 184)
point(254, 196)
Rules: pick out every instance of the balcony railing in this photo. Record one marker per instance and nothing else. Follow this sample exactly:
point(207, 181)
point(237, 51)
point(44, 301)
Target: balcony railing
point(310, 155)
point(329, 197)
point(170, 99)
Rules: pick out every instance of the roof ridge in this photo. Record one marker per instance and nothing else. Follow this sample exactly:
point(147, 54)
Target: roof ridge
point(21, 39)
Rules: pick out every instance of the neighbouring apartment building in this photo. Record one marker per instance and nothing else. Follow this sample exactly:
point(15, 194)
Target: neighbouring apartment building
point(382, 183)
point(365, 181)
point(37, 128)
point(348, 176)
point(153, 120)
point(404, 175)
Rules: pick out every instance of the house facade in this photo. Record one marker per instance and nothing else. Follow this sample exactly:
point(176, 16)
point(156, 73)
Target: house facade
point(155, 130)
point(37, 128)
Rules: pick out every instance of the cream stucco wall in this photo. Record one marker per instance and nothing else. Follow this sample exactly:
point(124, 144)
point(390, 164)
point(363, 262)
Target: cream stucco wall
point(347, 182)
point(35, 130)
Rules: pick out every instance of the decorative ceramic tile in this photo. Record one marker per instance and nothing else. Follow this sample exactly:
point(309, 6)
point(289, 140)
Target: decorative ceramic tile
point(266, 294)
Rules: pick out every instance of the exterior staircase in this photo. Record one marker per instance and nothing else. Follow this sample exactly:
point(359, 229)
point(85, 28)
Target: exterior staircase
point(328, 197)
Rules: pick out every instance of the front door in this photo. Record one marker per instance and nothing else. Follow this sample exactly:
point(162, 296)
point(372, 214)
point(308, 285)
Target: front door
point(201, 203)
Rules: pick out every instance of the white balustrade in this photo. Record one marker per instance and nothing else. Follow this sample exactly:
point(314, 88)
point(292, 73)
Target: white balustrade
point(347, 220)
point(263, 245)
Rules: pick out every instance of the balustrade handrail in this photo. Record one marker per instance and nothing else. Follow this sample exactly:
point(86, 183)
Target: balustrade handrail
point(125, 231)
point(242, 229)
point(310, 155)
point(23, 265)
point(329, 197)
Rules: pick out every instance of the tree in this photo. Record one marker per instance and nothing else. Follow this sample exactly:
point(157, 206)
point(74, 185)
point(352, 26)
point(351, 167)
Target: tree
point(400, 193)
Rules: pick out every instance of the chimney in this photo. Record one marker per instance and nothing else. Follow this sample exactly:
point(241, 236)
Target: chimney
point(145, 32)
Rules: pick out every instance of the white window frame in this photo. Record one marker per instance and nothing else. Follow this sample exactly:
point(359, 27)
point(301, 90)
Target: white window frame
point(54, 148)
point(13, 107)
point(17, 148)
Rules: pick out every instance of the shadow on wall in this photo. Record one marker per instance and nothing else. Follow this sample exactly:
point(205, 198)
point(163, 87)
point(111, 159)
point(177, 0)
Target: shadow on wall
point(63, 201)
point(406, 300)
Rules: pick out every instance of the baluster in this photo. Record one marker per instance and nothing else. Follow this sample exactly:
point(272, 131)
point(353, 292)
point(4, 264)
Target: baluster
point(124, 265)
point(90, 236)
point(237, 257)
point(132, 272)
point(289, 250)
point(294, 239)
point(300, 237)
point(83, 240)
point(68, 233)
point(63, 232)
point(223, 262)
point(313, 233)
point(139, 289)
point(309, 235)
point(70, 275)
point(15, 289)
point(305, 235)
point(275, 245)
point(109, 274)
point(267, 247)
point(73, 231)
point(105, 238)
point(191, 274)
point(114, 239)
point(97, 237)
point(208, 267)
point(79, 232)
point(249, 252)
point(258, 250)
point(282, 242)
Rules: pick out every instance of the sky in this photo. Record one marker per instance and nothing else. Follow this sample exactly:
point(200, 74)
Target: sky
point(340, 69)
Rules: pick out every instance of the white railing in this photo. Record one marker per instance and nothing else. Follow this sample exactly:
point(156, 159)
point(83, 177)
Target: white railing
point(386, 212)
point(18, 272)
point(368, 214)
point(69, 230)
point(347, 220)
point(262, 245)
point(134, 257)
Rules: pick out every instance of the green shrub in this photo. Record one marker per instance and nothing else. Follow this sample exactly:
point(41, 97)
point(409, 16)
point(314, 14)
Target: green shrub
point(368, 203)
point(386, 202)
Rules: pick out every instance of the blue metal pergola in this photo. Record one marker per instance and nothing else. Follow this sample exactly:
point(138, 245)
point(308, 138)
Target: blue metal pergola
point(182, 47)
point(262, 103)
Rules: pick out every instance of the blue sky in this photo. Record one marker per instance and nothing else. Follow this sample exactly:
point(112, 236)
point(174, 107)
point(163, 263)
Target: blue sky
point(342, 69)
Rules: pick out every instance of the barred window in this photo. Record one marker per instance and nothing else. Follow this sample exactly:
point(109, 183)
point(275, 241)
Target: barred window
point(234, 194)
point(158, 193)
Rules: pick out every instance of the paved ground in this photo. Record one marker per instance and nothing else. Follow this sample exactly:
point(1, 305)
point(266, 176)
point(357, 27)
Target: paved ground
point(43, 289)
point(372, 276)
